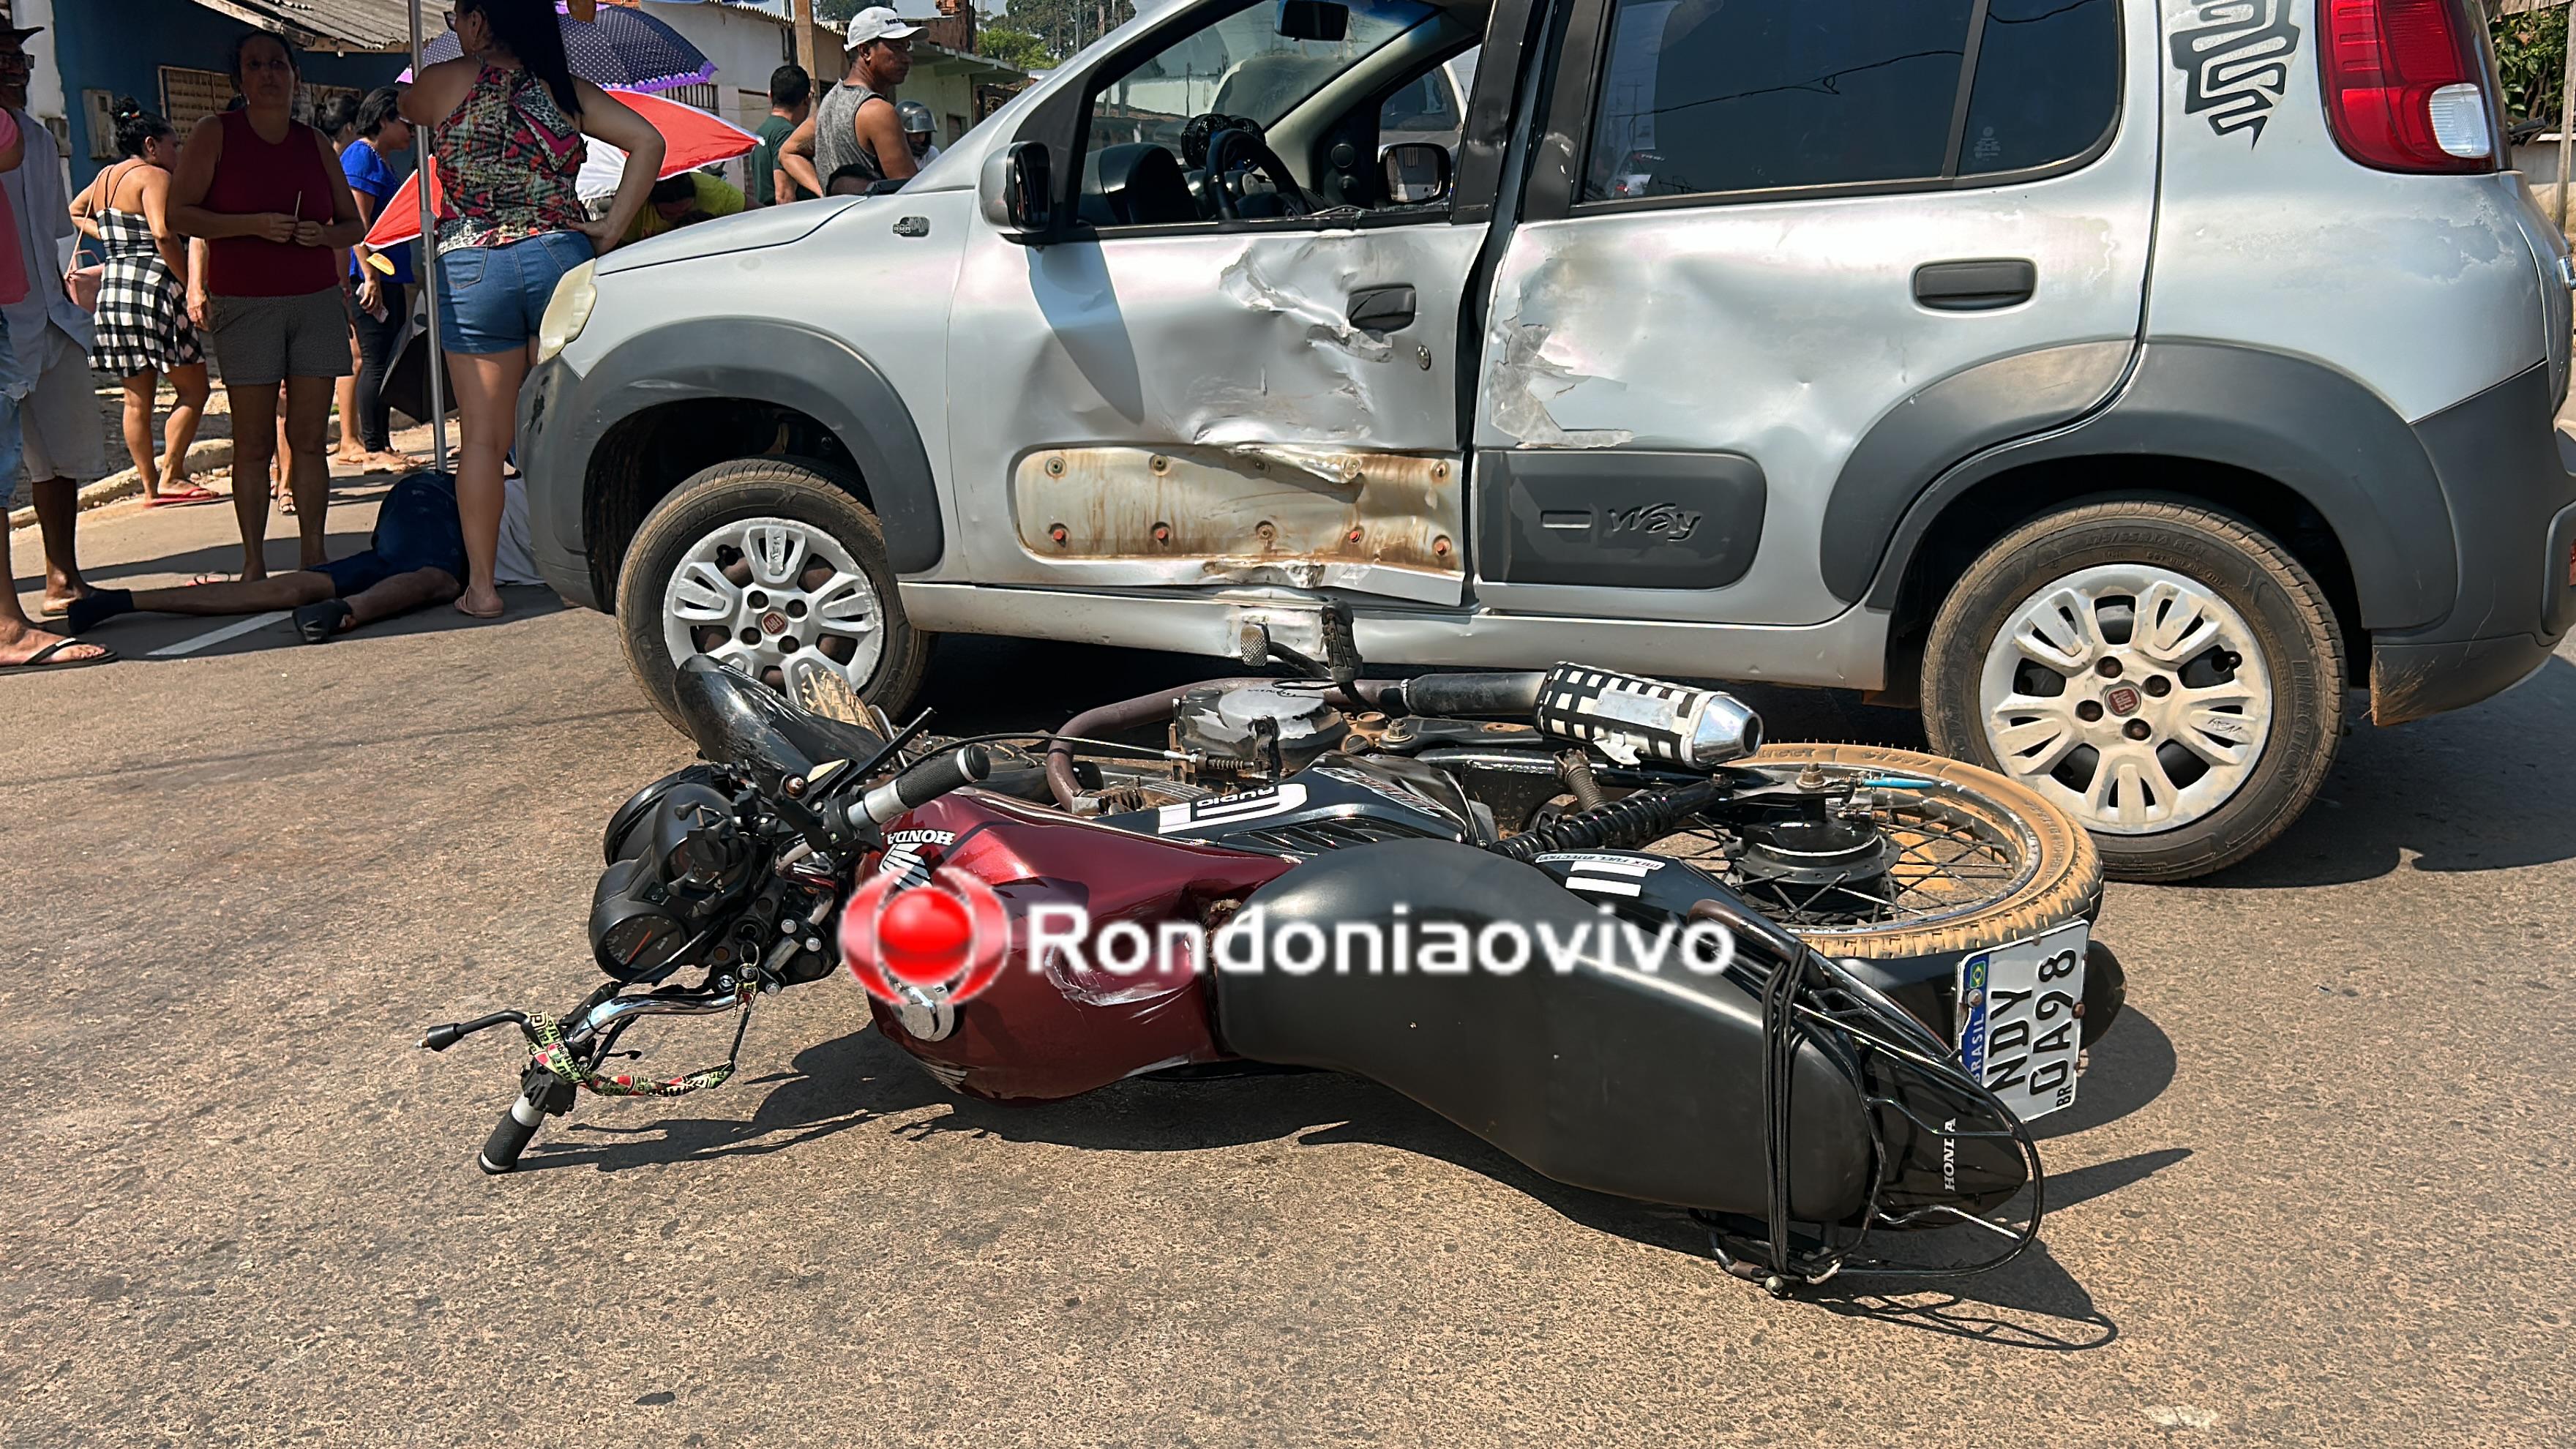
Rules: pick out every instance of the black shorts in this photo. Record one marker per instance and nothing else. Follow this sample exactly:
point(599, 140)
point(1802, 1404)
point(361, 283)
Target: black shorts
point(416, 528)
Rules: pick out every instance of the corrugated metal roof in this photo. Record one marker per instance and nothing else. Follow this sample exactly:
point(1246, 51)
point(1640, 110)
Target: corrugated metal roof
point(334, 24)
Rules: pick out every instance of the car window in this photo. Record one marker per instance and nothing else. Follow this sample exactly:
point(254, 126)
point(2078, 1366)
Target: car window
point(1703, 96)
point(1240, 65)
point(1425, 105)
point(2048, 80)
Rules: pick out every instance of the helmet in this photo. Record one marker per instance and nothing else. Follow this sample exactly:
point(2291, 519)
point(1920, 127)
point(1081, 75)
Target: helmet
point(916, 117)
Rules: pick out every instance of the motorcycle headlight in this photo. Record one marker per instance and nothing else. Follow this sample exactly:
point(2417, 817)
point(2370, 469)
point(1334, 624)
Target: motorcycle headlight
point(568, 311)
point(638, 808)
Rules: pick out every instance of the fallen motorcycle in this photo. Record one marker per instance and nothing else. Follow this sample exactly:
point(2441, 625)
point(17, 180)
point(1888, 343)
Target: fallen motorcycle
point(1813, 993)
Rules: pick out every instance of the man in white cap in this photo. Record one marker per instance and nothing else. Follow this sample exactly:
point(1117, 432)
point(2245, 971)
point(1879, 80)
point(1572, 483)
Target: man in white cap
point(855, 127)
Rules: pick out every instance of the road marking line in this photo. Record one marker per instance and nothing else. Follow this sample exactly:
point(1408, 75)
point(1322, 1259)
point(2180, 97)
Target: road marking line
point(213, 637)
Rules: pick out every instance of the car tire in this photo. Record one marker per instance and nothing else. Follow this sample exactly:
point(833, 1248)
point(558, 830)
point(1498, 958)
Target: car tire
point(798, 515)
point(2233, 667)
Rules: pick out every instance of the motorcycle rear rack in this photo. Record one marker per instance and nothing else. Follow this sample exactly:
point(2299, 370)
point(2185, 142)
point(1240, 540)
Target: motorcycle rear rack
point(1807, 998)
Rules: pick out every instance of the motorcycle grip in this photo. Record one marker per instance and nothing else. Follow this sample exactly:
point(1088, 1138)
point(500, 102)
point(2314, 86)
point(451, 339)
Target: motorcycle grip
point(518, 1128)
point(927, 781)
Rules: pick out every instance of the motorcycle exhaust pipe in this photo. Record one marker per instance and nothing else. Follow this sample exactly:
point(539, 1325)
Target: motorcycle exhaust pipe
point(1625, 716)
point(1629, 717)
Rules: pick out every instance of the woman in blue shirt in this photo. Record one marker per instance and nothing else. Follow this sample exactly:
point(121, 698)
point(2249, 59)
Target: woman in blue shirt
point(384, 298)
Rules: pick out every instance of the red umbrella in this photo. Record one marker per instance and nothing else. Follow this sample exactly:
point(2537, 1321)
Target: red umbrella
point(691, 138)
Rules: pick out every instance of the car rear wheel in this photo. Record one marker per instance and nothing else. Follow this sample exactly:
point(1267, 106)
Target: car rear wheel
point(771, 566)
point(2162, 672)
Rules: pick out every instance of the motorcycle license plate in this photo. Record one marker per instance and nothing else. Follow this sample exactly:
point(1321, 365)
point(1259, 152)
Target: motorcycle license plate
point(2018, 1031)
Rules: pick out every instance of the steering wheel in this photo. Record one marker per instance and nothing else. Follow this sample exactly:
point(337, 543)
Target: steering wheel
point(1223, 149)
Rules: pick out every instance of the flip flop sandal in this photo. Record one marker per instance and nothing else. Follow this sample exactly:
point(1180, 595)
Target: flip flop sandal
point(318, 623)
point(187, 493)
point(43, 659)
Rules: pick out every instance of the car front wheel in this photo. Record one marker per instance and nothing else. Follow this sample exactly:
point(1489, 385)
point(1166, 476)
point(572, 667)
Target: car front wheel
point(770, 566)
point(2163, 672)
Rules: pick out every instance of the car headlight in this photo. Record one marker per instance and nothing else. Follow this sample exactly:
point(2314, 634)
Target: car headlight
point(568, 310)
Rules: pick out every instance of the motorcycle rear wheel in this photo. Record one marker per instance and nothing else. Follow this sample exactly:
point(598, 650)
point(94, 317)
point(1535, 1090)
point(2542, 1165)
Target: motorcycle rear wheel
point(1980, 861)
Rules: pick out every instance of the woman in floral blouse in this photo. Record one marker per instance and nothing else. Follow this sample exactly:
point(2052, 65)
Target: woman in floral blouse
point(505, 124)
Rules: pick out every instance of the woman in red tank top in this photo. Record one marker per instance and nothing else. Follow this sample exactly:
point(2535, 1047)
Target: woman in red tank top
point(267, 194)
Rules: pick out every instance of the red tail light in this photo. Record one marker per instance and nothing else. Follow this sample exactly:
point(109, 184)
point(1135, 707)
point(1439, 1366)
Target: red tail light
point(2406, 85)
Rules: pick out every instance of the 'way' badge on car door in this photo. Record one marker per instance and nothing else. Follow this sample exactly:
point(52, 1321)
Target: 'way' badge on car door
point(2018, 1031)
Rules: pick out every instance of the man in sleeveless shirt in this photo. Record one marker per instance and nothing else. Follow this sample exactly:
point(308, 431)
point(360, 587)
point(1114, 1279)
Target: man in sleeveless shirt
point(855, 123)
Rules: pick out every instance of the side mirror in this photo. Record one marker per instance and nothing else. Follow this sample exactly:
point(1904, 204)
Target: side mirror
point(1417, 172)
point(1314, 20)
point(1016, 191)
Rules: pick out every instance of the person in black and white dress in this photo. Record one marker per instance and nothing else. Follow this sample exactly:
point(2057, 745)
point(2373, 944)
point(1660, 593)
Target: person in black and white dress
point(142, 326)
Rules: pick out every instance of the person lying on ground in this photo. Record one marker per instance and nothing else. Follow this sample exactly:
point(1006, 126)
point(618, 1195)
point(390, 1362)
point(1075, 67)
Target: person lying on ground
point(416, 559)
point(685, 200)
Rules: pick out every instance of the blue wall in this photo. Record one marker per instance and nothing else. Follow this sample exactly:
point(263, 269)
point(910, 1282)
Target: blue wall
point(120, 47)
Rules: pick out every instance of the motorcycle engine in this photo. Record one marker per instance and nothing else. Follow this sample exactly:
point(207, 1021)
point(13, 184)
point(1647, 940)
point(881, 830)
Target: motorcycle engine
point(1255, 732)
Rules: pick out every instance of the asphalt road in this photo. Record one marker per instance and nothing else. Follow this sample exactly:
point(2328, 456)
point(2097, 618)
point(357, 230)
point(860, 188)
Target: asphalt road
point(2316, 1190)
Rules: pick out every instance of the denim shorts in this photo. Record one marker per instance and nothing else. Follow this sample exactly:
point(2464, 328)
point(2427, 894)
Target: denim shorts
point(417, 527)
point(490, 299)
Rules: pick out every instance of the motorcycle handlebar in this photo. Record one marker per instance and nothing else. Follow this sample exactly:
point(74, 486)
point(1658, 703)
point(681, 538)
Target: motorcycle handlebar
point(518, 1128)
point(925, 782)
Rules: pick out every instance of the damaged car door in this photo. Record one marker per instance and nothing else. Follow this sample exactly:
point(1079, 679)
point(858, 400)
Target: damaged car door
point(1230, 357)
point(1776, 257)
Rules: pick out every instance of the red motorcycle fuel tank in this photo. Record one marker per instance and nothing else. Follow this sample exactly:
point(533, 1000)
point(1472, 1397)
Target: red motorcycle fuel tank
point(1055, 1026)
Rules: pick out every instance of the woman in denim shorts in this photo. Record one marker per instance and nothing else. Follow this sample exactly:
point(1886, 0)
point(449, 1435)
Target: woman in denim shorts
point(506, 121)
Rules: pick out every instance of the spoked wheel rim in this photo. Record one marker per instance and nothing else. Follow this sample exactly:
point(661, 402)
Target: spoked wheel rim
point(1951, 852)
point(774, 598)
point(2132, 697)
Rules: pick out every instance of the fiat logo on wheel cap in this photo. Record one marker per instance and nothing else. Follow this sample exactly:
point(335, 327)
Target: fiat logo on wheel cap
point(775, 622)
point(2122, 698)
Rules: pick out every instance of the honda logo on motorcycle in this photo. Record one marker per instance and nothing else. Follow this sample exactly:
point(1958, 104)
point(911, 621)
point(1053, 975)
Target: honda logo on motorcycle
point(908, 941)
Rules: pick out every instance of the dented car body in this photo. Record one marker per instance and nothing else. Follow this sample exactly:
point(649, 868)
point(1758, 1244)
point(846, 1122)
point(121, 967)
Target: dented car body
point(1672, 374)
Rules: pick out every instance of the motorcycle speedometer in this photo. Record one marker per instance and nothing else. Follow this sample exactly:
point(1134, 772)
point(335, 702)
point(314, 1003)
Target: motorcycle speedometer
point(631, 932)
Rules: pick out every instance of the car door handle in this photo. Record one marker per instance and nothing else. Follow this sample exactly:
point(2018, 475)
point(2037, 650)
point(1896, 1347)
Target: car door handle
point(1976, 286)
point(1382, 309)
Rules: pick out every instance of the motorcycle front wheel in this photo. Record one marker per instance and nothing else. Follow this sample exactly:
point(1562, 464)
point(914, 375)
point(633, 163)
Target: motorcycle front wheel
point(1970, 859)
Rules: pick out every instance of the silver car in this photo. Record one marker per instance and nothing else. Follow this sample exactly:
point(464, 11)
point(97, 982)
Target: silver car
point(2123, 381)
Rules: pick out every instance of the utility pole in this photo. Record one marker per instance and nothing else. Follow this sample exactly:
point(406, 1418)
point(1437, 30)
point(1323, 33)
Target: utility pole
point(2566, 120)
point(802, 12)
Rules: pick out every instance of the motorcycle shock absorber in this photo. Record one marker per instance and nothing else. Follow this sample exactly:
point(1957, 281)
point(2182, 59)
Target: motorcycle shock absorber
point(1629, 821)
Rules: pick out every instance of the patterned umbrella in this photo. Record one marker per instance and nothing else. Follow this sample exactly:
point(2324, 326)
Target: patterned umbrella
point(624, 48)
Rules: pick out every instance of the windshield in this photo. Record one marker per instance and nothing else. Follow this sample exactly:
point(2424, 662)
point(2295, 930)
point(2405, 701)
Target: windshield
point(1240, 66)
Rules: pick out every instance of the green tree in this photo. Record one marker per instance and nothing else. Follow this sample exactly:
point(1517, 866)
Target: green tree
point(2531, 57)
point(1066, 25)
point(1019, 49)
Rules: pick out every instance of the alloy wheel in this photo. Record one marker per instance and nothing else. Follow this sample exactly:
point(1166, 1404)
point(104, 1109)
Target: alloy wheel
point(774, 597)
point(2133, 697)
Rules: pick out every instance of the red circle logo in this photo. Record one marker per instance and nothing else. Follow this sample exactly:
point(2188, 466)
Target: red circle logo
point(910, 944)
point(2122, 698)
